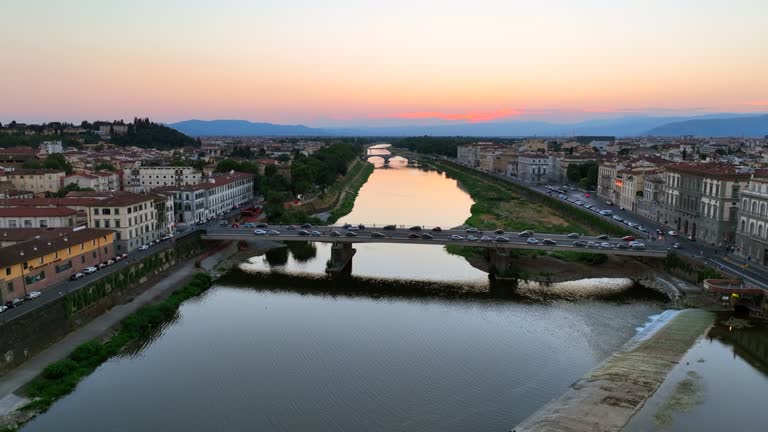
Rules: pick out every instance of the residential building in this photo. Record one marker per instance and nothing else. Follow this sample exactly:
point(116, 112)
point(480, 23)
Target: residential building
point(38, 181)
point(146, 178)
point(218, 194)
point(752, 232)
point(34, 217)
point(100, 181)
point(533, 167)
point(701, 200)
point(649, 205)
point(51, 147)
point(39, 263)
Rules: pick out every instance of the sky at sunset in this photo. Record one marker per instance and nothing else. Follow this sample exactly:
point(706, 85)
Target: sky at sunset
point(350, 62)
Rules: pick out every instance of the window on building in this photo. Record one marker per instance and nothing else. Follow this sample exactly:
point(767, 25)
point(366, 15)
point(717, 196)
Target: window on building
point(106, 223)
point(12, 223)
point(93, 254)
point(10, 286)
point(106, 211)
point(41, 260)
point(43, 223)
point(97, 223)
point(7, 271)
point(117, 211)
point(117, 223)
point(95, 211)
point(27, 223)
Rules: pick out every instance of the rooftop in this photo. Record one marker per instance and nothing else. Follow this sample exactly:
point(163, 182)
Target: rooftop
point(36, 211)
point(34, 248)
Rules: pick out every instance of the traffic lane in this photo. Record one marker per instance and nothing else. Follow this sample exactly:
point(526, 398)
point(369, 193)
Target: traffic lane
point(65, 287)
point(562, 240)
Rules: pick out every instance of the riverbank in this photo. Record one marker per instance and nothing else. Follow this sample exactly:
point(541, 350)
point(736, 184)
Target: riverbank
point(340, 197)
point(12, 396)
point(607, 397)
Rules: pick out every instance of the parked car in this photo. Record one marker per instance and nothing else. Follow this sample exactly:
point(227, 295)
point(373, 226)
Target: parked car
point(143, 247)
point(89, 270)
point(110, 262)
point(549, 242)
point(3, 308)
point(586, 195)
point(101, 265)
point(77, 276)
point(676, 245)
point(617, 219)
point(532, 241)
point(527, 233)
point(124, 256)
point(32, 295)
point(574, 235)
point(118, 258)
point(672, 233)
point(10, 304)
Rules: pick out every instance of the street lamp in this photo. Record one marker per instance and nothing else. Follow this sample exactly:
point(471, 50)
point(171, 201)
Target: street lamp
point(23, 281)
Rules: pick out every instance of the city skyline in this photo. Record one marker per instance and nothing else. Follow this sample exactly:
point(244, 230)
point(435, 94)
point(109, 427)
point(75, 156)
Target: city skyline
point(347, 63)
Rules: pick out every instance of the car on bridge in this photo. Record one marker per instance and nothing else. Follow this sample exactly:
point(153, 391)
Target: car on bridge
point(486, 238)
point(335, 233)
point(306, 225)
point(377, 234)
point(262, 225)
point(499, 232)
point(628, 238)
point(427, 236)
point(532, 241)
point(273, 232)
point(472, 230)
point(437, 229)
point(259, 232)
point(415, 228)
point(316, 233)
point(414, 236)
point(579, 243)
point(457, 237)
point(603, 237)
point(471, 238)
point(526, 233)
point(549, 242)
point(574, 235)
point(605, 245)
point(351, 234)
point(303, 232)
point(502, 239)
point(389, 227)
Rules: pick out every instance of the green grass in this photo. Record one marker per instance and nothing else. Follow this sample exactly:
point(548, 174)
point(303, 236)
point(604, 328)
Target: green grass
point(348, 202)
point(60, 378)
point(500, 204)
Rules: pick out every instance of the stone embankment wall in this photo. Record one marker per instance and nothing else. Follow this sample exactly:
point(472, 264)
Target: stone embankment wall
point(27, 335)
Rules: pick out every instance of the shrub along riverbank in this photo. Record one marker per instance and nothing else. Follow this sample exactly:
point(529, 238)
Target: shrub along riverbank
point(61, 377)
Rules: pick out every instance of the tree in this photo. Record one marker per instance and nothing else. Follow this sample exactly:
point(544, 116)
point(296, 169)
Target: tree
point(104, 166)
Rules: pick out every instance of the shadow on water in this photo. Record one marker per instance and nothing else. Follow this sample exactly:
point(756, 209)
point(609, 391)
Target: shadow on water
point(614, 290)
point(749, 343)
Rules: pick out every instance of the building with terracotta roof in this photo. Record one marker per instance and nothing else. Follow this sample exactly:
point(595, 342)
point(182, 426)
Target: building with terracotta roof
point(701, 200)
point(38, 181)
point(34, 217)
point(38, 263)
point(212, 197)
point(103, 181)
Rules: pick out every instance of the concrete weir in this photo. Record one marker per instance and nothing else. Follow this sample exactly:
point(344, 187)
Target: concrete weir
point(610, 394)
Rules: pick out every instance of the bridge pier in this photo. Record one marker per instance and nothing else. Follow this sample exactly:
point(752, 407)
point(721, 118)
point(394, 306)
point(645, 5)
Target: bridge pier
point(500, 261)
point(340, 263)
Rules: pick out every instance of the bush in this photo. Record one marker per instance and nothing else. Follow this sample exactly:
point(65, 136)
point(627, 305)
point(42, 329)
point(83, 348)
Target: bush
point(60, 369)
point(92, 349)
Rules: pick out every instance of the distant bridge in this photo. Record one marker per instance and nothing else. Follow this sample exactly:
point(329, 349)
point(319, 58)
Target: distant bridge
point(499, 245)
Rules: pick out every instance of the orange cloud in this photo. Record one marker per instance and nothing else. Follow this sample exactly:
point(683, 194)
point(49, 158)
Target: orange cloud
point(757, 103)
point(472, 117)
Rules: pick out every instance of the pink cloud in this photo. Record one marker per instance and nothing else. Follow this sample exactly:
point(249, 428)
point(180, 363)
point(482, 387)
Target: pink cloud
point(472, 117)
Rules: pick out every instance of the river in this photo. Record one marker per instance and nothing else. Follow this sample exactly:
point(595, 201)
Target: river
point(259, 356)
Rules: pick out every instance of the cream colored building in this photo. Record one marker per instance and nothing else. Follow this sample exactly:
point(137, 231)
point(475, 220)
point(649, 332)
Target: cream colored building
point(37, 181)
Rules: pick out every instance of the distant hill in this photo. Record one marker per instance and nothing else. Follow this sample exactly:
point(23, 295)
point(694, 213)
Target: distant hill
point(145, 134)
point(242, 128)
point(755, 126)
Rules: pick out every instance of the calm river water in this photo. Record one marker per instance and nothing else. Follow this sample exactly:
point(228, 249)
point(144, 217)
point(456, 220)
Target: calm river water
point(266, 358)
